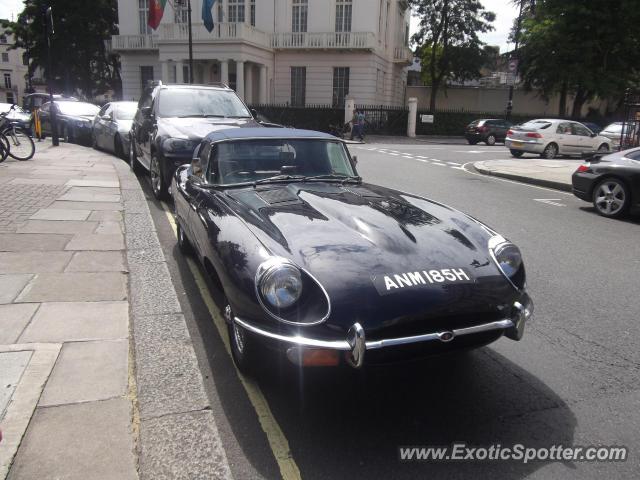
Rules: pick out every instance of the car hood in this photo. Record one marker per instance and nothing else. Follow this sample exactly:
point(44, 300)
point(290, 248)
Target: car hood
point(198, 128)
point(351, 237)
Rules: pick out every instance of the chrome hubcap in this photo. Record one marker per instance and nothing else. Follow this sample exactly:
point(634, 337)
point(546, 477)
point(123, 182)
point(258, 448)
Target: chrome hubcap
point(550, 152)
point(155, 175)
point(610, 198)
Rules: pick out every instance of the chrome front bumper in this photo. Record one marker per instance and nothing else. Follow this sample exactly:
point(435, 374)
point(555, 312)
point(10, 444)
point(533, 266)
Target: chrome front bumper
point(357, 344)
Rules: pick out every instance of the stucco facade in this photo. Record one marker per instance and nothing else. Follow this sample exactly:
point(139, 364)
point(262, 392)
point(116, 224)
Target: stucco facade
point(12, 71)
point(274, 51)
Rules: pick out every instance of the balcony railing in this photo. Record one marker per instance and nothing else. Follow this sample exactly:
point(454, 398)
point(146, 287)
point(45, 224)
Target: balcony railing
point(402, 54)
point(231, 32)
point(323, 40)
point(134, 42)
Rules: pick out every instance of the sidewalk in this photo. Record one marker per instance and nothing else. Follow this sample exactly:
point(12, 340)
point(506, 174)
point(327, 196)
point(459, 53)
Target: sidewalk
point(99, 376)
point(546, 173)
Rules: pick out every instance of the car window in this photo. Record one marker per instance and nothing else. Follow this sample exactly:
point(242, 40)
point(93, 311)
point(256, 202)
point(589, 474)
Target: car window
point(564, 128)
point(633, 155)
point(536, 124)
point(125, 111)
point(251, 160)
point(200, 102)
point(77, 108)
point(579, 129)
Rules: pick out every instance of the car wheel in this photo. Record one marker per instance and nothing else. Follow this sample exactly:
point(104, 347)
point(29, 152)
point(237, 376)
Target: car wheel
point(491, 140)
point(241, 344)
point(516, 153)
point(550, 151)
point(158, 184)
point(133, 160)
point(611, 198)
point(604, 148)
point(183, 242)
point(472, 142)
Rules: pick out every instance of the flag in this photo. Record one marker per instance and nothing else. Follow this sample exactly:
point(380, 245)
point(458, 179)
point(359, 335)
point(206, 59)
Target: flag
point(156, 10)
point(207, 17)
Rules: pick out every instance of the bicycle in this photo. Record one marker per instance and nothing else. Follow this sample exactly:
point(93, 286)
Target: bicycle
point(14, 141)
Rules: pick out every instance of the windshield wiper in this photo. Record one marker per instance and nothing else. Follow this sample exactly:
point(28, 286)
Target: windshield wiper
point(238, 116)
point(277, 178)
point(200, 115)
point(333, 176)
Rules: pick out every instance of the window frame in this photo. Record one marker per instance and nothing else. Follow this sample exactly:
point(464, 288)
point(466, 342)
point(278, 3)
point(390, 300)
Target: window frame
point(298, 86)
point(340, 86)
point(143, 17)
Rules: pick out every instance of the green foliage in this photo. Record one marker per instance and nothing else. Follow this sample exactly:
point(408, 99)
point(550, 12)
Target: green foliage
point(447, 40)
point(81, 62)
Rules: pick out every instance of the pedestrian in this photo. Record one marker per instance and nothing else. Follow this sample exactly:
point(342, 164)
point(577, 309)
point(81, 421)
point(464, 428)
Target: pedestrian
point(361, 120)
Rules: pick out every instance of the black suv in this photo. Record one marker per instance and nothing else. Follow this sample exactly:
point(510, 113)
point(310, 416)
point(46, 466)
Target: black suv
point(170, 122)
point(488, 131)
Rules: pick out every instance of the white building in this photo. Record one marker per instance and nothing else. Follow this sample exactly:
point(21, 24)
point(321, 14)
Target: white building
point(299, 52)
point(13, 70)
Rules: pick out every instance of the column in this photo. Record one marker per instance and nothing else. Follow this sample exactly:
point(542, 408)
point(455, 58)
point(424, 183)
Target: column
point(240, 78)
point(164, 66)
point(349, 107)
point(248, 83)
point(182, 75)
point(262, 94)
point(413, 112)
point(224, 71)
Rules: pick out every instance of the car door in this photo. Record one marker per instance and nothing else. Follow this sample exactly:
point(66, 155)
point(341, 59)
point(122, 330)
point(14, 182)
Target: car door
point(199, 218)
point(140, 130)
point(586, 143)
point(567, 144)
point(502, 128)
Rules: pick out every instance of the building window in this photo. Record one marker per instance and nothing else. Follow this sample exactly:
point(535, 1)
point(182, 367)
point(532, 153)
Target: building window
point(236, 11)
point(298, 86)
point(10, 98)
point(25, 59)
point(146, 76)
point(185, 73)
point(299, 13)
point(5, 57)
point(343, 15)
point(220, 11)
point(252, 8)
point(386, 24)
point(7, 80)
point(340, 85)
point(180, 11)
point(3, 39)
point(143, 17)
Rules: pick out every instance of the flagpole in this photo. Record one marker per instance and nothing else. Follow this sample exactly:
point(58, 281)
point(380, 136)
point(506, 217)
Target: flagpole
point(190, 42)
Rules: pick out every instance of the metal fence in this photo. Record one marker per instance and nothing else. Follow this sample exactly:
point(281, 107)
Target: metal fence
point(384, 120)
point(630, 135)
point(322, 118)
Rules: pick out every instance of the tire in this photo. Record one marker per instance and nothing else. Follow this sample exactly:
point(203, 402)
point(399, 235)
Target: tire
point(472, 142)
point(184, 245)
point(243, 348)
point(133, 160)
point(611, 198)
point(604, 148)
point(491, 140)
point(156, 175)
point(4, 148)
point(516, 153)
point(21, 146)
point(550, 151)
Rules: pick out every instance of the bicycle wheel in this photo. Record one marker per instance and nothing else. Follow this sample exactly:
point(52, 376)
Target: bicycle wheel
point(21, 146)
point(4, 148)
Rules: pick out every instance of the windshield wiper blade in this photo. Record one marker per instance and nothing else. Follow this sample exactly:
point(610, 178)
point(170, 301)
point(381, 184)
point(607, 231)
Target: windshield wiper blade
point(200, 115)
point(333, 176)
point(238, 116)
point(277, 178)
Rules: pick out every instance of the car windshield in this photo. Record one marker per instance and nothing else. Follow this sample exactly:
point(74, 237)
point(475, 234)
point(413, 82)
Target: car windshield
point(536, 125)
point(246, 161)
point(614, 128)
point(126, 111)
point(200, 102)
point(77, 108)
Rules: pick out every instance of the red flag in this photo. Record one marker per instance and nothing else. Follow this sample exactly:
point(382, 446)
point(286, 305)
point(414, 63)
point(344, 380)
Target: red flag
point(156, 10)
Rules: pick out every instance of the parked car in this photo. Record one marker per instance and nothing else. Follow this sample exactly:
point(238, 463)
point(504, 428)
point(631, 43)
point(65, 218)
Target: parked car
point(488, 131)
point(17, 116)
point(33, 101)
point(595, 128)
point(111, 127)
point(610, 182)
point(74, 120)
point(170, 122)
point(613, 131)
point(551, 137)
point(327, 270)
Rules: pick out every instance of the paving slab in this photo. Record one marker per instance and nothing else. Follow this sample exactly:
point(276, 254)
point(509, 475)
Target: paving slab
point(70, 227)
point(29, 242)
point(88, 371)
point(152, 291)
point(88, 261)
point(106, 216)
point(87, 205)
point(60, 214)
point(13, 320)
point(33, 262)
point(12, 366)
point(69, 441)
point(145, 255)
point(182, 447)
point(109, 228)
point(11, 286)
point(96, 242)
point(93, 183)
point(97, 190)
point(75, 287)
point(37, 181)
point(547, 173)
point(77, 321)
point(89, 197)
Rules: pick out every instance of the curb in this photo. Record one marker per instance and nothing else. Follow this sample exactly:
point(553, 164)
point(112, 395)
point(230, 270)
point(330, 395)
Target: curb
point(177, 432)
point(565, 187)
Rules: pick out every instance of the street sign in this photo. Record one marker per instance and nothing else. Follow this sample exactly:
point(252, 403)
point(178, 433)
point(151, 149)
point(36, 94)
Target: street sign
point(426, 118)
point(513, 65)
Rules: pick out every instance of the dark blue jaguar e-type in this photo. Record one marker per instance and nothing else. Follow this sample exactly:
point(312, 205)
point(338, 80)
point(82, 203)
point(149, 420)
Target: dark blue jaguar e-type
point(327, 269)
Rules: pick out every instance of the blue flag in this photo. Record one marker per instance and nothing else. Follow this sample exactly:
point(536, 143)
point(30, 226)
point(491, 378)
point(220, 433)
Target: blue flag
point(207, 17)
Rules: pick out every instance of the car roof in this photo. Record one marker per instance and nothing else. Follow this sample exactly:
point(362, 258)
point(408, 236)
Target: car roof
point(187, 86)
point(262, 132)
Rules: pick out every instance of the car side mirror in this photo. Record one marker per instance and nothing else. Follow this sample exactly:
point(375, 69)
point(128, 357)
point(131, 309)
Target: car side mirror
point(593, 135)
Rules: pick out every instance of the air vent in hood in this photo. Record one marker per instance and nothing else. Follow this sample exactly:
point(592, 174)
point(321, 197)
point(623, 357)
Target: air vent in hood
point(278, 196)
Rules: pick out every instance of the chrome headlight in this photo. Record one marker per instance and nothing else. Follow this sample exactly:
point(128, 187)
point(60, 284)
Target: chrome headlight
point(179, 145)
point(279, 283)
point(509, 260)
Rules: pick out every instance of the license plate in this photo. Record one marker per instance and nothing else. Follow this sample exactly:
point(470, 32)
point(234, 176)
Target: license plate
point(516, 144)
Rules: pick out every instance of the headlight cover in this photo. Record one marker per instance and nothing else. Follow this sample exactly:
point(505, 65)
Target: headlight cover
point(280, 285)
point(179, 145)
point(509, 260)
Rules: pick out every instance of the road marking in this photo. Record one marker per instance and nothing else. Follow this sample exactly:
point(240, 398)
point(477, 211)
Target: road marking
point(407, 156)
point(439, 164)
point(551, 201)
point(420, 156)
point(275, 436)
point(458, 168)
point(474, 151)
point(394, 154)
point(454, 163)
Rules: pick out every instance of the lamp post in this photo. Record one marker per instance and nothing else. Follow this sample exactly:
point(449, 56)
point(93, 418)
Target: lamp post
point(49, 31)
point(190, 32)
point(515, 59)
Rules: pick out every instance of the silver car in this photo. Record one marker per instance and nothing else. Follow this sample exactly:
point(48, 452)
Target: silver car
point(111, 127)
point(552, 137)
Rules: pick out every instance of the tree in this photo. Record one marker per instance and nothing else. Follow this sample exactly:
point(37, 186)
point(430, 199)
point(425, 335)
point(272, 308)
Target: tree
point(81, 62)
point(588, 48)
point(448, 42)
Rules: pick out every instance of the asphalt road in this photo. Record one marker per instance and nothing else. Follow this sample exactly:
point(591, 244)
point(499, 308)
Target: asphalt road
point(573, 379)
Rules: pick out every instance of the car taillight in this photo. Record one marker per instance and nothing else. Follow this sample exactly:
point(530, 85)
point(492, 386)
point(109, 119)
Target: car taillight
point(583, 168)
point(534, 135)
point(510, 132)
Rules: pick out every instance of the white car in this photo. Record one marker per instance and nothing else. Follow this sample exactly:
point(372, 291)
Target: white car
point(552, 137)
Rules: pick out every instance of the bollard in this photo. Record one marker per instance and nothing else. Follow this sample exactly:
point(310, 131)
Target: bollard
point(412, 103)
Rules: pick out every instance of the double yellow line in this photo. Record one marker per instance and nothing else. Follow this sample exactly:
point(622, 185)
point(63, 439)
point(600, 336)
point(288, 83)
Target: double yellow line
point(277, 441)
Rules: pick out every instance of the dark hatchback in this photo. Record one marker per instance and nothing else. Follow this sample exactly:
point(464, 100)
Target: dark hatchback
point(610, 182)
point(170, 122)
point(488, 131)
point(75, 120)
point(327, 270)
